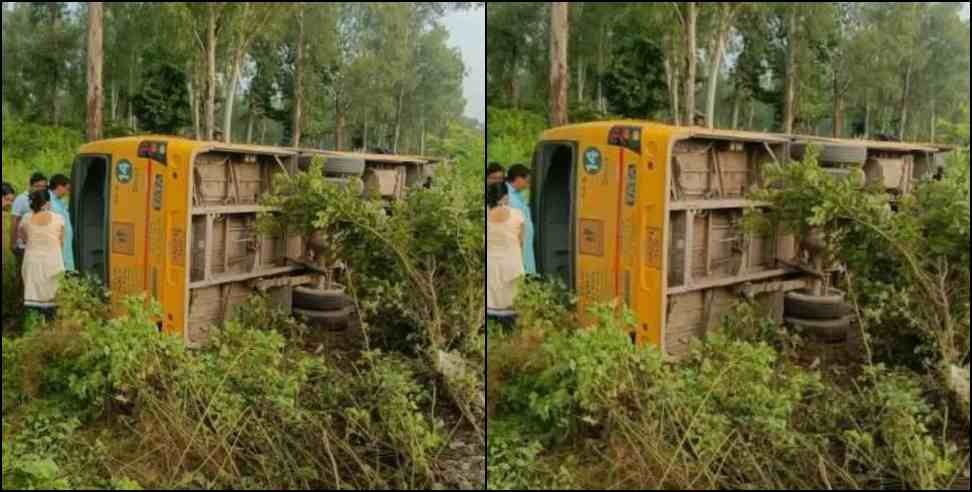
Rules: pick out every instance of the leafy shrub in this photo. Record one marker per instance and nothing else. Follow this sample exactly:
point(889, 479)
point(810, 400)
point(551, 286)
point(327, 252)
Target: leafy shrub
point(28, 148)
point(732, 414)
point(891, 439)
point(10, 301)
point(11, 375)
point(387, 411)
point(908, 264)
point(515, 463)
point(44, 455)
point(511, 135)
point(749, 322)
point(423, 272)
point(259, 312)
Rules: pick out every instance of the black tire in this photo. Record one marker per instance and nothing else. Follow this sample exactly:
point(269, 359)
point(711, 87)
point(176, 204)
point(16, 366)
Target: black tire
point(827, 331)
point(831, 153)
point(344, 166)
point(851, 154)
point(319, 300)
point(806, 306)
point(330, 320)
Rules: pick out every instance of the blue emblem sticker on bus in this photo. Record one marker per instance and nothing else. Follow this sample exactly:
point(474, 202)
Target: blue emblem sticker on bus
point(124, 172)
point(592, 161)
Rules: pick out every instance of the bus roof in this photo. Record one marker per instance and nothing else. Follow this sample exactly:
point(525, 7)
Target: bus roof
point(720, 134)
point(208, 146)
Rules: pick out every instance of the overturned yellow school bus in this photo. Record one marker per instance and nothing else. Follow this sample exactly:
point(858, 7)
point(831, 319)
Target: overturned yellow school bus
point(651, 215)
point(176, 219)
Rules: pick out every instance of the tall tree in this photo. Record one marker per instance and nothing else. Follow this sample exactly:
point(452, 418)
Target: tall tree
point(690, 21)
point(95, 62)
point(725, 15)
point(298, 76)
point(246, 21)
point(558, 63)
point(792, 48)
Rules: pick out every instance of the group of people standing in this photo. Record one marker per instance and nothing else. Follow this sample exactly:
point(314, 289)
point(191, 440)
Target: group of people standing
point(41, 239)
point(509, 239)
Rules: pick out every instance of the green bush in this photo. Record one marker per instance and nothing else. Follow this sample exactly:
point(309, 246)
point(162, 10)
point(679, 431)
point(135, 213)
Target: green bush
point(908, 261)
point(511, 135)
point(732, 414)
point(891, 438)
point(28, 148)
point(422, 276)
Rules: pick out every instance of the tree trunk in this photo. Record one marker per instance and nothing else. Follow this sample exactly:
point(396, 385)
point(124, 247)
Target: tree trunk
point(558, 63)
point(398, 116)
point(114, 101)
point(752, 114)
point(231, 97)
point(422, 138)
point(690, 50)
point(932, 129)
point(299, 77)
point(837, 120)
point(580, 80)
point(905, 102)
point(249, 128)
point(96, 12)
point(838, 123)
point(713, 85)
point(54, 11)
point(211, 71)
point(791, 72)
point(600, 69)
point(364, 140)
point(671, 78)
point(263, 132)
point(339, 129)
point(736, 101)
point(867, 118)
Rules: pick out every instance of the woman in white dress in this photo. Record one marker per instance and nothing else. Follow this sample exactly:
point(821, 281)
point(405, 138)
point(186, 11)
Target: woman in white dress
point(504, 255)
point(43, 268)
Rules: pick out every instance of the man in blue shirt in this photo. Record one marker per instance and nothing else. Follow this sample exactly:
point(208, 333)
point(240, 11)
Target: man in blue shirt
point(60, 187)
point(518, 181)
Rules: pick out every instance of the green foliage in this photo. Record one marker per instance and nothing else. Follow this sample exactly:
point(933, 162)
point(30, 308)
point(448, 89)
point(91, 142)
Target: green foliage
point(390, 411)
point(423, 274)
point(260, 312)
point(511, 135)
point(634, 83)
point(28, 148)
point(283, 417)
point(30, 459)
point(162, 103)
point(465, 146)
point(10, 305)
point(748, 322)
point(515, 463)
point(545, 306)
point(581, 373)
point(910, 262)
point(11, 375)
point(957, 133)
point(731, 414)
point(892, 435)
